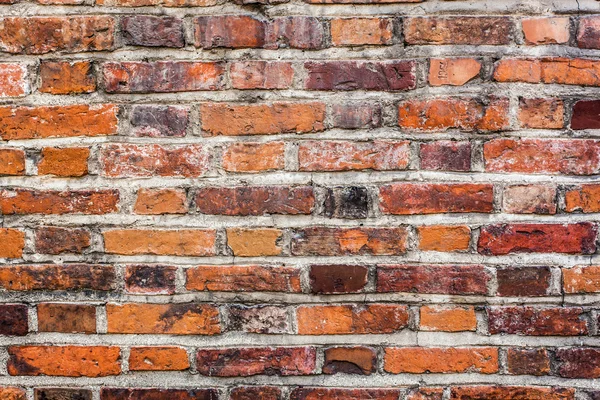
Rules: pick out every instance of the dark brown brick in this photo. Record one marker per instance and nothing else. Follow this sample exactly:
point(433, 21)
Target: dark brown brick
point(151, 279)
point(58, 277)
point(338, 278)
point(158, 394)
point(66, 318)
point(350, 360)
point(523, 281)
point(582, 363)
point(255, 392)
point(52, 240)
point(13, 320)
point(146, 30)
point(62, 394)
point(346, 202)
point(356, 116)
point(586, 115)
point(528, 361)
point(528, 320)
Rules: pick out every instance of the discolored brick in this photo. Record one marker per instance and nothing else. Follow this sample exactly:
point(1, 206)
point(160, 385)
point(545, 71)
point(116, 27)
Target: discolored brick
point(350, 360)
point(66, 318)
point(338, 278)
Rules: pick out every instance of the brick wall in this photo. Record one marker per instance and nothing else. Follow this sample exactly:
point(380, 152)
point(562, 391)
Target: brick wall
point(320, 199)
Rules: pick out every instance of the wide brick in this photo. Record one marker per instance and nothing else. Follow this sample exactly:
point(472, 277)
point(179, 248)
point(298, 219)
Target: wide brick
point(504, 239)
point(553, 156)
point(562, 71)
point(261, 75)
point(161, 201)
point(523, 281)
point(158, 359)
point(359, 75)
point(541, 113)
point(446, 155)
point(419, 360)
point(361, 31)
point(445, 279)
point(588, 33)
point(71, 161)
point(453, 71)
point(13, 80)
point(261, 119)
point(351, 319)
point(254, 242)
point(13, 320)
point(73, 361)
point(319, 393)
point(585, 198)
point(130, 160)
point(356, 115)
point(228, 31)
point(160, 242)
point(346, 202)
point(257, 200)
point(581, 279)
point(444, 238)
point(159, 121)
point(150, 279)
point(173, 319)
point(248, 361)
point(458, 30)
point(253, 157)
point(151, 31)
point(258, 319)
point(61, 394)
point(350, 360)
point(164, 3)
point(54, 240)
point(338, 278)
point(26, 201)
point(12, 162)
point(297, 32)
point(453, 113)
point(526, 320)
point(578, 363)
point(12, 243)
point(379, 155)
point(158, 394)
point(529, 199)
point(447, 318)
point(64, 77)
point(18, 123)
point(420, 198)
point(511, 393)
point(66, 318)
point(546, 30)
point(325, 241)
point(255, 392)
point(243, 278)
point(162, 76)
point(40, 35)
point(58, 277)
point(522, 361)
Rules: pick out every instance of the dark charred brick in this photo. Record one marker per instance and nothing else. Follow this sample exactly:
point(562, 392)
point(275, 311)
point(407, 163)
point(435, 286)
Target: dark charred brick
point(356, 116)
point(338, 278)
point(259, 319)
point(67, 318)
point(578, 363)
point(526, 320)
point(523, 281)
point(308, 393)
point(13, 320)
point(50, 240)
point(146, 30)
point(296, 32)
point(588, 34)
point(350, 360)
point(255, 393)
point(354, 75)
point(528, 361)
point(62, 394)
point(158, 394)
point(586, 115)
point(446, 155)
point(154, 279)
point(346, 202)
point(159, 121)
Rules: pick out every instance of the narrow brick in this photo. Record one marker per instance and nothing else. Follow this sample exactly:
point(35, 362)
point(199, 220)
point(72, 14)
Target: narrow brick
point(158, 359)
point(458, 30)
point(26, 201)
point(320, 393)
point(61, 394)
point(58, 277)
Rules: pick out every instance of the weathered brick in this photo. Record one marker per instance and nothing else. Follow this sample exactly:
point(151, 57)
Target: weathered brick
point(546, 30)
point(528, 361)
point(71, 161)
point(320, 393)
point(526, 320)
point(563, 71)
point(581, 279)
point(588, 33)
point(12, 162)
point(74, 361)
point(447, 318)
point(453, 71)
point(228, 31)
point(356, 115)
point(13, 320)
point(58, 277)
point(147, 30)
point(261, 75)
point(150, 279)
point(445, 279)
point(54, 240)
point(258, 319)
point(64, 77)
point(503, 239)
point(578, 363)
point(297, 32)
point(346, 202)
point(160, 242)
point(255, 392)
point(162, 76)
point(12, 393)
point(338, 278)
point(419, 360)
point(159, 121)
point(511, 393)
point(173, 319)
point(585, 198)
point(158, 359)
point(248, 361)
point(62, 394)
point(254, 242)
point(351, 319)
point(12, 243)
point(26, 201)
point(541, 113)
point(361, 31)
point(350, 360)
point(253, 157)
point(458, 30)
point(529, 199)
point(161, 201)
point(66, 318)
point(446, 155)
point(426, 393)
point(444, 238)
point(57, 121)
point(358, 75)
point(325, 241)
point(13, 80)
point(157, 394)
point(258, 200)
point(243, 278)
point(523, 281)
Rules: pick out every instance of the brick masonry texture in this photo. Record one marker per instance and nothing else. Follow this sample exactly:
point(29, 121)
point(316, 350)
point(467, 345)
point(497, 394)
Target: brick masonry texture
point(299, 200)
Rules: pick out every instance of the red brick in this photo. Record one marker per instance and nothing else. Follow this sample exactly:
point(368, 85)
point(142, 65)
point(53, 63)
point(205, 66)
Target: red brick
point(585, 198)
point(150, 279)
point(12, 243)
point(419, 198)
point(351, 319)
point(73, 361)
point(228, 31)
point(581, 279)
point(361, 31)
point(13, 80)
point(379, 155)
point(13, 322)
point(162, 76)
point(243, 278)
point(338, 278)
point(58, 277)
point(578, 363)
point(586, 115)
point(504, 239)
point(254, 242)
point(446, 155)
point(71, 161)
point(358, 75)
point(528, 361)
point(453, 113)
point(307, 393)
point(529, 199)
point(444, 238)
point(350, 360)
point(356, 115)
point(158, 359)
point(458, 30)
point(361, 1)
point(248, 361)
point(563, 71)
point(588, 33)
point(444, 279)
point(157, 394)
point(173, 319)
point(18, 123)
point(325, 241)
point(525, 320)
point(64, 77)
point(447, 318)
point(261, 75)
point(152, 31)
point(258, 319)
point(453, 71)
point(523, 281)
point(253, 157)
point(546, 30)
point(40, 35)
point(160, 242)
point(130, 160)
point(419, 360)
point(66, 318)
point(12, 162)
point(511, 393)
point(159, 121)
point(255, 392)
point(553, 156)
point(541, 113)
point(54, 240)
point(298, 32)
point(518, 70)
point(161, 201)
point(26, 201)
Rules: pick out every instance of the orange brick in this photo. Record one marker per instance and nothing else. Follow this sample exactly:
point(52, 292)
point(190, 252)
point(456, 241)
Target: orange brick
point(586, 198)
point(452, 71)
point(161, 201)
point(541, 113)
point(444, 238)
point(581, 279)
point(160, 242)
point(253, 157)
point(13, 80)
point(243, 278)
point(546, 30)
point(12, 162)
point(158, 359)
point(254, 242)
point(71, 161)
point(447, 319)
point(67, 77)
point(359, 31)
point(12, 243)
point(419, 360)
